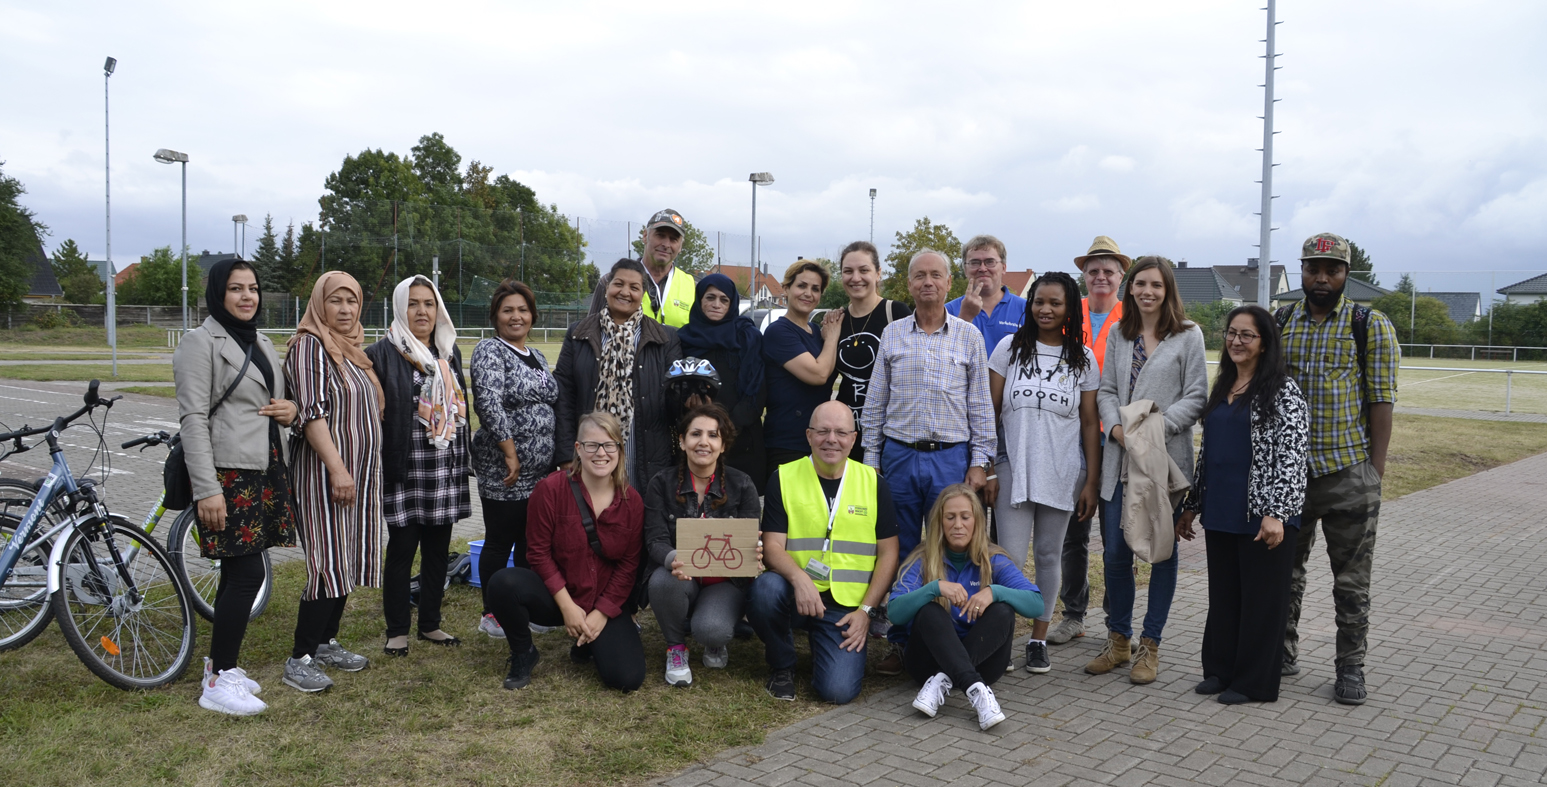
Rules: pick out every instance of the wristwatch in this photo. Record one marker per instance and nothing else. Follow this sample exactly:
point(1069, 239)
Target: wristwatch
point(871, 612)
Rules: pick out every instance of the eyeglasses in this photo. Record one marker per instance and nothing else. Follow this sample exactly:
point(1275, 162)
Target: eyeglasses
point(592, 447)
point(973, 265)
point(841, 434)
point(1244, 337)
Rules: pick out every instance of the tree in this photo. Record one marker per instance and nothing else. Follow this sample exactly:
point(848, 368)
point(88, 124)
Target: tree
point(1405, 284)
point(158, 280)
point(20, 238)
point(436, 164)
point(1426, 322)
point(265, 260)
point(77, 276)
point(1210, 318)
point(697, 255)
point(925, 234)
point(836, 297)
point(1359, 265)
point(289, 262)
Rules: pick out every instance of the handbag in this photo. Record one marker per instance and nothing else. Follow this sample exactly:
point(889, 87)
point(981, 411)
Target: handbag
point(177, 488)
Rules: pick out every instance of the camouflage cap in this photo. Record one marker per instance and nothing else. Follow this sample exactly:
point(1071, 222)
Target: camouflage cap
point(1326, 246)
point(666, 218)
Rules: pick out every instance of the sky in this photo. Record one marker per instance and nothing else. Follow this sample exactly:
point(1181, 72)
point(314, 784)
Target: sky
point(1416, 129)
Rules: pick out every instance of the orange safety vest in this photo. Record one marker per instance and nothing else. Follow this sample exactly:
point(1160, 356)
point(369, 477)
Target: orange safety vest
point(1098, 343)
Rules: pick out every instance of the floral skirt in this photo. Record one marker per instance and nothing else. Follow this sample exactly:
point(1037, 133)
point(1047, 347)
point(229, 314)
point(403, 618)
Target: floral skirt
point(258, 511)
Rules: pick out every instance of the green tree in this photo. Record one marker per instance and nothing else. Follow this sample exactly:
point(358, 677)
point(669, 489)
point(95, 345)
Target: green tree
point(1405, 284)
point(1513, 324)
point(1359, 265)
point(836, 297)
point(158, 281)
point(77, 276)
point(1426, 322)
point(437, 165)
point(925, 234)
point(265, 260)
point(697, 255)
point(1210, 318)
point(289, 261)
point(21, 235)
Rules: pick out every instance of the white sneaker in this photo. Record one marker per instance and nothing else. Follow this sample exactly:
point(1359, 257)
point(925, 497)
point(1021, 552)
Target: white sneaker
point(717, 658)
point(225, 693)
point(252, 686)
point(982, 699)
point(933, 695)
point(677, 671)
point(491, 627)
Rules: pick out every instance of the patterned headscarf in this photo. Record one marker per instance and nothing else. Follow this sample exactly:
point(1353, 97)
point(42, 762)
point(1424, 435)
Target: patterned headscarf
point(339, 346)
point(440, 405)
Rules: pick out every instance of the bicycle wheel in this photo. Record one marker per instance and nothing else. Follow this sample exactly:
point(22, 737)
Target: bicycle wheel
point(24, 607)
point(201, 575)
point(132, 640)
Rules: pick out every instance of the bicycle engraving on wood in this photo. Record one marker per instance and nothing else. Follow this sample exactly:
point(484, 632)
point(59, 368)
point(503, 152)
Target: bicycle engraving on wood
point(717, 547)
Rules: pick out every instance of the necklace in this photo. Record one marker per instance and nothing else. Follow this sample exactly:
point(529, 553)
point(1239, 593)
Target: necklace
point(863, 327)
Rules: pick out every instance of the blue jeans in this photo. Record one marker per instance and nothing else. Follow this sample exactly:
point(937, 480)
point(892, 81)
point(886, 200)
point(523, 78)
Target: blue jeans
point(836, 673)
point(916, 479)
point(1119, 573)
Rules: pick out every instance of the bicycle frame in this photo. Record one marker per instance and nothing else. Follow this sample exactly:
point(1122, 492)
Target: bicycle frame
point(59, 481)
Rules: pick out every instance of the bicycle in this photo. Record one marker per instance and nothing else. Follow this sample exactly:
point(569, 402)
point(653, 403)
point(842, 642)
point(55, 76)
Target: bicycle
point(122, 611)
point(199, 574)
point(728, 555)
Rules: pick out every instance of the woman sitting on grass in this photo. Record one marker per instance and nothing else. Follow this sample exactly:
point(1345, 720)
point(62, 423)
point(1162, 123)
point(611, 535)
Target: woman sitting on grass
point(961, 593)
point(584, 537)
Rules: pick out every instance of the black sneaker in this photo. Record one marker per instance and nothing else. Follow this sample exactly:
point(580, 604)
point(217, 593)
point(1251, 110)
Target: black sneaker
point(1036, 657)
point(1289, 668)
point(1349, 689)
point(580, 654)
point(781, 685)
point(521, 669)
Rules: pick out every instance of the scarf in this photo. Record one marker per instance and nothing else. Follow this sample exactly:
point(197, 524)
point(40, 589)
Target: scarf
point(615, 368)
point(441, 407)
point(339, 346)
point(734, 332)
point(245, 332)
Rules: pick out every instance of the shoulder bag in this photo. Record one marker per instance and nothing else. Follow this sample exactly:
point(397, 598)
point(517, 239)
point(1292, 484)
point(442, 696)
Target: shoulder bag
point(177, 488)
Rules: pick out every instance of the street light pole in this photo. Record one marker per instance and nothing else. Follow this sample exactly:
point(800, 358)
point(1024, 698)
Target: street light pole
point(872, 217)
point(112, 291)
point(757, 179)
point(166, 156)
point(1265, 230)
point(238, 220)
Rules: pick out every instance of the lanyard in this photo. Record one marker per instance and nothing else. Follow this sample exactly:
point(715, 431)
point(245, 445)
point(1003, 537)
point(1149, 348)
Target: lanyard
point(660, 293)
point(832, 509)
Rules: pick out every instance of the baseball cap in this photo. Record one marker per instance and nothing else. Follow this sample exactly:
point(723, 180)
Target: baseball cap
point(667, 218)
point(1326, 246)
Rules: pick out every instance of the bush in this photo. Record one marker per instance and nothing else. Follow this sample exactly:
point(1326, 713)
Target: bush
point(56, 318)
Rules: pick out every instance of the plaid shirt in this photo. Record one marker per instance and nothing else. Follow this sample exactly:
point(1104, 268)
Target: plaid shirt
point(930, 386)
point(1323, 360)
point(434, 490)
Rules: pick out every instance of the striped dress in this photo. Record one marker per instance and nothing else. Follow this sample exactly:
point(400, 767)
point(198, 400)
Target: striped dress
point(343, 544)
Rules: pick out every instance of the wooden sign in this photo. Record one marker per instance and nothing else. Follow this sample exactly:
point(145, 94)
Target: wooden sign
point(717, 547)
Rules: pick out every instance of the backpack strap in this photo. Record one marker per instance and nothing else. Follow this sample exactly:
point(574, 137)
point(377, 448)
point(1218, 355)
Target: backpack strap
point(586, 519)
point(1282, 315)
point(1359, 323)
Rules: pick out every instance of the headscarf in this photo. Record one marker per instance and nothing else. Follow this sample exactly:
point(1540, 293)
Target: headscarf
point(245, 332)
point(734, 331)
point(338, 346)
point(615, 368)
point(441, 406)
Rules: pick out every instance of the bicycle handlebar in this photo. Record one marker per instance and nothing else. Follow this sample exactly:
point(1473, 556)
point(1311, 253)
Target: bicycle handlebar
point(155, 438)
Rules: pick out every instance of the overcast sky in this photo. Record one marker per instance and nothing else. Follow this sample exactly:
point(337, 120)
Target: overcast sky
point(1418, 129)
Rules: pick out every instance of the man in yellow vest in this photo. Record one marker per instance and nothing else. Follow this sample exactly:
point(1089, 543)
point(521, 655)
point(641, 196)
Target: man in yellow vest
point(830, 546)
point(669, 291)
point(1103, 267)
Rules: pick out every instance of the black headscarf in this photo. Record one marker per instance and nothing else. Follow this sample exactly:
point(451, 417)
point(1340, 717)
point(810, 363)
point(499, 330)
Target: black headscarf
point(734, 331)
point(245, 332)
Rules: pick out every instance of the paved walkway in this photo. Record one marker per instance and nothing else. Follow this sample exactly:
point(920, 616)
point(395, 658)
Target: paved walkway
point(1457, 674)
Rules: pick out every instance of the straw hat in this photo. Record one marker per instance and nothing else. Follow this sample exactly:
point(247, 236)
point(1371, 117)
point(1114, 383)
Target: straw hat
point(1103, 246)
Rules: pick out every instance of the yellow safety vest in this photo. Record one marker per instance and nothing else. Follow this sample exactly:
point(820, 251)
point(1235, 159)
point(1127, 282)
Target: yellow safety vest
point(681, 289)
point(850, 550)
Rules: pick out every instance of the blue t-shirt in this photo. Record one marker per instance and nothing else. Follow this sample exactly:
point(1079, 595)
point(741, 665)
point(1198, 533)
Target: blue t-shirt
point(1096, 321)
point(790, 401)
point(1006, 319)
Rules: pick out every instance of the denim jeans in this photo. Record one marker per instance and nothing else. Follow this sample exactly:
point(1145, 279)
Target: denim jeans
point(1119, 574)
point(836, 673)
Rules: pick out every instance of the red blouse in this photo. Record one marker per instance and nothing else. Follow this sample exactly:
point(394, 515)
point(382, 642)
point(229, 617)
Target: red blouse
point(559, 552)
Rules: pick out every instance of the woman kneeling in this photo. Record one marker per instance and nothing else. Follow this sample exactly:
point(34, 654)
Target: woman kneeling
point(584, 535)
point(960, 594)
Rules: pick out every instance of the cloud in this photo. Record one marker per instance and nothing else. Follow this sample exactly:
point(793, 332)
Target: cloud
point(1079, 204)
point(1199, 216)
point(1116, 164)
point(1515, 217)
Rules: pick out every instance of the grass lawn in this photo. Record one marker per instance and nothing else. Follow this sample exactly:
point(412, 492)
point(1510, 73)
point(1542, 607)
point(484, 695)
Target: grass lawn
point(138, 373)
point(439, 717)
point(163, 391)
point(44, 355)
point(95, 338)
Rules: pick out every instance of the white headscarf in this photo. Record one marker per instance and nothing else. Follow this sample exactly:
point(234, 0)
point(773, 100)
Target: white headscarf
point(441, 404)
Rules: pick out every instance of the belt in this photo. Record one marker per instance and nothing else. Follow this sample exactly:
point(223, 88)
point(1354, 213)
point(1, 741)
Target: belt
point(925, 445)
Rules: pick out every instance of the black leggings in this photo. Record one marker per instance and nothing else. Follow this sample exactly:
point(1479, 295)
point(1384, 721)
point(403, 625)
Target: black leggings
point(981, 656)
point(1248, 611)
point(517, 596)
point(432, 544)
point(315, 623)
point(504, 529)
point(240, 580)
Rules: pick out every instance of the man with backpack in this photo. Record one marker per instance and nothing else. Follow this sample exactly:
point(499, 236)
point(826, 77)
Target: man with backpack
point(1344, 357)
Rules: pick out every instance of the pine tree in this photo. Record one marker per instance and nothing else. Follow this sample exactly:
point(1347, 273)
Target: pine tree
point(289, 264)
point(266, 258)
point(77, 276)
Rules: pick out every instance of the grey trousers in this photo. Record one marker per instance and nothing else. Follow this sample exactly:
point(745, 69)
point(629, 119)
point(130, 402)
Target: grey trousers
point(1040, 528)
point(710, 612)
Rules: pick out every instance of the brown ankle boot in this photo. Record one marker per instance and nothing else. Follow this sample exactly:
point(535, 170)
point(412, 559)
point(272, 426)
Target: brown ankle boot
point(1146, 662)
point(1113, 655)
